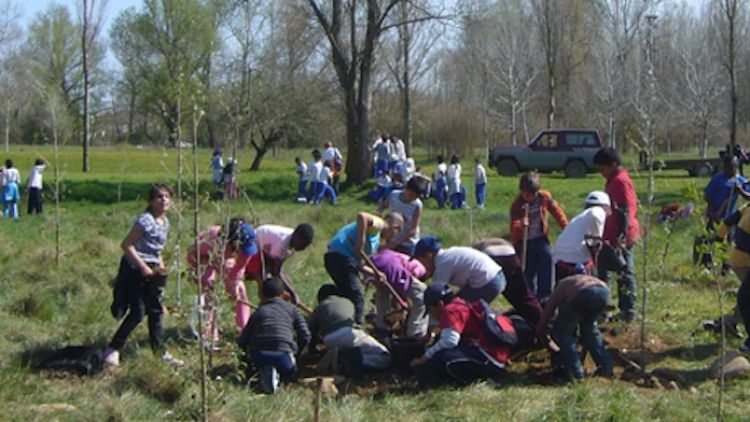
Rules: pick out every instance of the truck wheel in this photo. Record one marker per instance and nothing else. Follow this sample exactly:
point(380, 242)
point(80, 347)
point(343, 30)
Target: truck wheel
point(507, 167)
point(575, 169)
point(704, 170)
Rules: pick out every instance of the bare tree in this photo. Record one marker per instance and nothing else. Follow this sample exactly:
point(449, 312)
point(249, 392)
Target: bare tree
point(730, 19)
point(92, 18)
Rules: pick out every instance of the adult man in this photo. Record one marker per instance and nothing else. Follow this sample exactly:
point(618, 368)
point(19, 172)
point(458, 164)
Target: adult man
point(621, 230)
point(463, 352)
point(572, 248)
point(475, 274)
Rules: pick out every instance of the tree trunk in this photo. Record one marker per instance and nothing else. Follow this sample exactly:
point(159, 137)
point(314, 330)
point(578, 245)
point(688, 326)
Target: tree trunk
point(131, 117)
point(260, 152)
point(7, 124)
point(86, 119)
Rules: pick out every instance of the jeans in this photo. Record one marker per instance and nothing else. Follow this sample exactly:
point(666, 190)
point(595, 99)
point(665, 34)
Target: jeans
point(539, 266)
point(282, 361)
point(35, 201)
point(743, 303)
point(480, 192)
point(324, 189)
point(381, 166)
point(488, 292)
point(440, 193)
point(374, 354)
point(462, 364)
point(142, 296)
point(345, 274)
point(302, 189)
point(580, 314)
point(626, 284)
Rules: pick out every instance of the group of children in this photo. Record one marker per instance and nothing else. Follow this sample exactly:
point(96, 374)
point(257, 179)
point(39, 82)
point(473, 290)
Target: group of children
point(385, 249)
point(223, 175)
point(322, 174)
point(11, 188)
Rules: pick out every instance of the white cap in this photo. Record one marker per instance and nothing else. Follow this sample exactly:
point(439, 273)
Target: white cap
point(598, 197)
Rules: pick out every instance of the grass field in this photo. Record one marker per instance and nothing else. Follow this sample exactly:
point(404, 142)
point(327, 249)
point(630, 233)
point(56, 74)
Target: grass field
point(45, 306)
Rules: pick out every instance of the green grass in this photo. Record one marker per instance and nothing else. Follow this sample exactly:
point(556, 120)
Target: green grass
point(44, 306)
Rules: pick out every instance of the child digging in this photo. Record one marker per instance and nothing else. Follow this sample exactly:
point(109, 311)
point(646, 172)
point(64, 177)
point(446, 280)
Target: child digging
point(142, 277)
point(528, 213)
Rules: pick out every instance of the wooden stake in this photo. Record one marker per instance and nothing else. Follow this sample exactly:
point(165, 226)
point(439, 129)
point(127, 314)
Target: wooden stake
point(318, 396)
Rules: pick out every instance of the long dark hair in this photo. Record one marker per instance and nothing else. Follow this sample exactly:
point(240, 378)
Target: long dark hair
point(154, 192)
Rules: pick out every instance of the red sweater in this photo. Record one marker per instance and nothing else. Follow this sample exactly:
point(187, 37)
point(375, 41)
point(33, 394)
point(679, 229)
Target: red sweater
point(548, 205)
point(622, 194)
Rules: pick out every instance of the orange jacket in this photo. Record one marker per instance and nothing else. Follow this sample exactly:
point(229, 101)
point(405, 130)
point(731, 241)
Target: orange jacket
point(548, 204)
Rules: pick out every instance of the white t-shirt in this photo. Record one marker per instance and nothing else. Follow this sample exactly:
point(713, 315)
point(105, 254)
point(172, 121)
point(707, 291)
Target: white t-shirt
point(399, 151)
point(11, 175)
point(454, 178)
point(442, 170)
point(276, 241)
point(571, 245)
point(35, 177)
point(408, 210)
point(313, 170)
point(461, 266)
point(302, 171)
point(480, 176)
point(331, 153)
point(325, 174)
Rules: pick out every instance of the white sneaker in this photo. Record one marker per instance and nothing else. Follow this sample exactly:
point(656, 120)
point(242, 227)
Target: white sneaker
point(172, 361)
point(111, 357)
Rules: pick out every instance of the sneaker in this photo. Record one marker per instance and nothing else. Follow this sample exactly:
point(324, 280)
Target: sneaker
point(111, 357)
point(604, 373)
point(269, 379)
point(172, 361)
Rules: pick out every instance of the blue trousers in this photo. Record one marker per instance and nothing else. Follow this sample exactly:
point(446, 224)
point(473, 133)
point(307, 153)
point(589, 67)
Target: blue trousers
point(439, 193)
point(381, 166)
point(282, 361)
point(539, 266)
point(580, 315)
point(312, 191)
point(324, 189)
point(626, 283)
point(488, 292)
point(480, 192)
point(302, 189)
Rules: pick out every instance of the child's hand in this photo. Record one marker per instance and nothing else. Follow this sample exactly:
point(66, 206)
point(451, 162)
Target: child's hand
point(146, 271)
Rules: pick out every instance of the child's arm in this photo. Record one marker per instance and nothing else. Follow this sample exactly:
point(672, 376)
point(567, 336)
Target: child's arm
point(516, 220)
point(384, 205)
point(557, 212)
point(408, 231)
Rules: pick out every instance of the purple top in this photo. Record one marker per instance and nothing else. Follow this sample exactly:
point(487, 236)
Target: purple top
point(398, 269)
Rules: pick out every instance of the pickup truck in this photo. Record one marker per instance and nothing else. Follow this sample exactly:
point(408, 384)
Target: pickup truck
point(569, 150)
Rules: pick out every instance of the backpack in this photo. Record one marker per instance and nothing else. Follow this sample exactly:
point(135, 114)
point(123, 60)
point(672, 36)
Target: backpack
point(497, 329)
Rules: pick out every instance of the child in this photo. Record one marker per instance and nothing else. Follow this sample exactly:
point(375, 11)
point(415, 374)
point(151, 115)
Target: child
point(382, 188)
point(383, 155)
point(403, 274)
point(333, 155)
point(463, 352)
point(217, 166)
point(454, 183)
point(408, 204)
point(275, 334)
point(528, 217)
point(324, 187)
point(34, 185)
point(397, 182)
point(580, 299)
point(142, 277)
point(302, 185)
point(333, 320)
point(345, 251)
point(480, 183)
point(572, 246)
point(11, 192)
point(313, 175)
point(230, 179)
point(217, 248)
point(410, 167)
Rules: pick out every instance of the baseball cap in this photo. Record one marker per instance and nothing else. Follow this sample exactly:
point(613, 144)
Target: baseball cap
point(598, 197)
point(426, 245)
point(247, 239)
point(436, 292)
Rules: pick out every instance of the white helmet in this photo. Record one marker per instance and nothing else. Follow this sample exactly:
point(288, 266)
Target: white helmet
point(598, 197)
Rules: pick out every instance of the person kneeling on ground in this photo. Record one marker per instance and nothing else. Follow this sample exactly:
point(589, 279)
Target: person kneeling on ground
point(403, 274)
point(580, 299)
point(463, 353)
point(269, 337)
point(475, 274)
point(333, 320)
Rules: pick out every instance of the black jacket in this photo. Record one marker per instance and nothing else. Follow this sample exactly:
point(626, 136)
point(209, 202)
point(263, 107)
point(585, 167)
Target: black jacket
point(273, 326)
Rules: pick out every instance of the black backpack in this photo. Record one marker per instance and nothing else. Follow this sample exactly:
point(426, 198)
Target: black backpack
point(79, 360)
point(497, 329)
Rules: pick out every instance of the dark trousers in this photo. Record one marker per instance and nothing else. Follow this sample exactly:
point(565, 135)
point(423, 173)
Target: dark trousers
point(140, 296)
point(539, 266)
point(35, 201)
point(743, 303)
point(480, 192)
point(462, 365)
point(626, 284)
point(345, 274)
point(302, 189)
point(517, 291)
point(580, 315)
